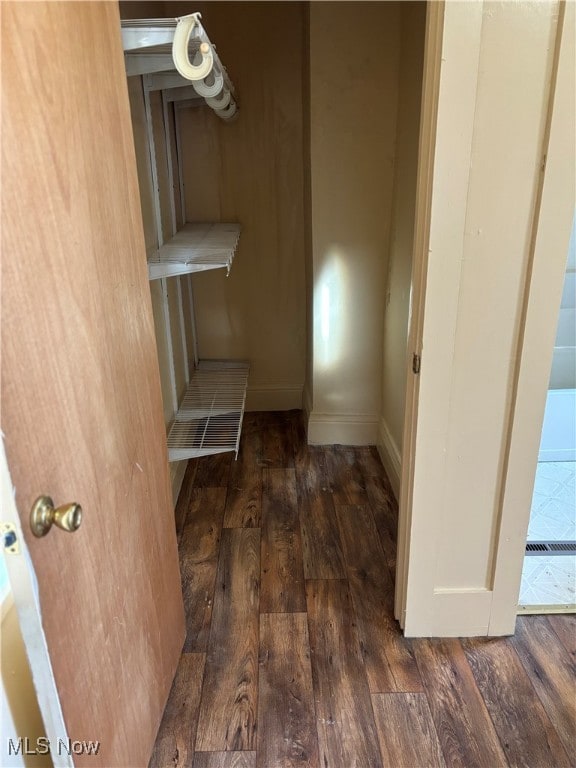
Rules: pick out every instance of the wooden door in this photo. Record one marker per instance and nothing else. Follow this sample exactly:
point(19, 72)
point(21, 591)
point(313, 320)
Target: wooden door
point(81, 402)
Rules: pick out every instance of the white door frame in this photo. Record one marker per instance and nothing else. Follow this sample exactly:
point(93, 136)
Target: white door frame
point(420, 608)
point(551, 233)
point(425, 177)
point(24, 589)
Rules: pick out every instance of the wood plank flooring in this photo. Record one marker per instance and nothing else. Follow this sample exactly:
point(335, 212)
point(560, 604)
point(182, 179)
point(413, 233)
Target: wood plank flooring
point(293, 657)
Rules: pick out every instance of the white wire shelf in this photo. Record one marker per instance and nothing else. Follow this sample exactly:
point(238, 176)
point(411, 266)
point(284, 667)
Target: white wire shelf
point(195, 248)
point(209, 419)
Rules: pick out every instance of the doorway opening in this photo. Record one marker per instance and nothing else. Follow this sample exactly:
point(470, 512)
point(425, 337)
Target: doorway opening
point(549, 572)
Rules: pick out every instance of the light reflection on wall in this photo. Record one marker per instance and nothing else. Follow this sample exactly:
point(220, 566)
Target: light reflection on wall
point(330, 311)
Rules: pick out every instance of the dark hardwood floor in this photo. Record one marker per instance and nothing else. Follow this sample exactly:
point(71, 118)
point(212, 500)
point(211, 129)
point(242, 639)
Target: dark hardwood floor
point(293, 656)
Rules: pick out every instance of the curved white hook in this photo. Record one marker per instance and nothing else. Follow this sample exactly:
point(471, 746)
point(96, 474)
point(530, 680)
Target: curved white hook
point(209, 91)
point(222, 101)
point(227, 113)
point(180, 51)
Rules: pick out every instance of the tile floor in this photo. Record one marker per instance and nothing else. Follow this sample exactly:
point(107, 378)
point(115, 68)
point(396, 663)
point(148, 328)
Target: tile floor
point(551, 580)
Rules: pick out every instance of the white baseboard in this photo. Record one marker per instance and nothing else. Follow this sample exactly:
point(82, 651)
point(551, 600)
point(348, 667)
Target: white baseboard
point(177, 470)
point(390, 455)
point(342, 429)
point(273, 396)
point(454, 613)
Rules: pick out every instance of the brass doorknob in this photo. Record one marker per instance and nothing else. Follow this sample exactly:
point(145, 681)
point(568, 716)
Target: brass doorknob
point(44, 515)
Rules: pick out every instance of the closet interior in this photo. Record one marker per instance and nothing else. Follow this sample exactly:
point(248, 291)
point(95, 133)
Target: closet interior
point(207, 415)
point(278, 194)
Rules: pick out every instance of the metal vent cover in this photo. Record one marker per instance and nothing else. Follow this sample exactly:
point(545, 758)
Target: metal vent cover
point(549, 548)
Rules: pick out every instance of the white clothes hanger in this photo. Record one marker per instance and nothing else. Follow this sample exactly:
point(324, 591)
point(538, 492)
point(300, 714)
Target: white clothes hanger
point(182, 33)
point(207, 90)
point(221, 102)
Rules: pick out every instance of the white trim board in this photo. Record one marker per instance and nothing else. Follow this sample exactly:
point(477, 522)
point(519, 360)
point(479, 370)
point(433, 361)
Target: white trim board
point(342, 429)
point(390, 456)
point(454, 613)
point(422, 218)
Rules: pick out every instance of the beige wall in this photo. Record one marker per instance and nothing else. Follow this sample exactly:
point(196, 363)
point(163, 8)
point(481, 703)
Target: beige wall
point(353, 96)
point(397, 295)
point(251, 171)
point(497, 62)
